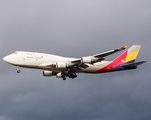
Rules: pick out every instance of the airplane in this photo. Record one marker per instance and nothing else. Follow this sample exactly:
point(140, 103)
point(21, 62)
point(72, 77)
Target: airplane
point(62, 67)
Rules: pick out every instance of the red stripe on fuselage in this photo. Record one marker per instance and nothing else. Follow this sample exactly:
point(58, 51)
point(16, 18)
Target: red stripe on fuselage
point(118, 61)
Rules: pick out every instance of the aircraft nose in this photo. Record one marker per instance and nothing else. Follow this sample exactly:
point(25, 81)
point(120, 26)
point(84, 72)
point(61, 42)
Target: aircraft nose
point(5, 59)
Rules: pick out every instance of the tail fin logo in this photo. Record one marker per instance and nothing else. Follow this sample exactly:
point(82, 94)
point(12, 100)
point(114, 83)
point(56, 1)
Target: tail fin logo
point(123, 61)
point(132, 56)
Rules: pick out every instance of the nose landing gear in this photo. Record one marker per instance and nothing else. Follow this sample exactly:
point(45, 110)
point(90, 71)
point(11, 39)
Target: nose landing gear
point(18, 70)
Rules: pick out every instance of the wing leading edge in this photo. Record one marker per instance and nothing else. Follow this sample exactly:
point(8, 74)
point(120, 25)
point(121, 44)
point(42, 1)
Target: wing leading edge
point(110, 52)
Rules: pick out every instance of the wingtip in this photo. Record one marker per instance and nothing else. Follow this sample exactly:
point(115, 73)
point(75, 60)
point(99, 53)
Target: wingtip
point(124, 47)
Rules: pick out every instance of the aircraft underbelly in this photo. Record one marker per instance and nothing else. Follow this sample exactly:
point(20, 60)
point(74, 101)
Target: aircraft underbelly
point(94, 68)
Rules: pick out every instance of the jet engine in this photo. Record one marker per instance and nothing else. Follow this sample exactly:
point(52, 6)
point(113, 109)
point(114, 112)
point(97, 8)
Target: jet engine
point(90, 59)
point(61, 65)
point(49, 73)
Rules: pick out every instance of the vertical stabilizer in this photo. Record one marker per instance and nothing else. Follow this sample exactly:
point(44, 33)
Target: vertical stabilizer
point(128, 56)
point(124, 62)
point(132, 53)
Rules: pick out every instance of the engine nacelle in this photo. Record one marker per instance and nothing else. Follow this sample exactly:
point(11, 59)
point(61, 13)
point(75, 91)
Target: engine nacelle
point(89, 60)
point(49, 73)
point(61, 65)
point(59, 75)
point(86, 60)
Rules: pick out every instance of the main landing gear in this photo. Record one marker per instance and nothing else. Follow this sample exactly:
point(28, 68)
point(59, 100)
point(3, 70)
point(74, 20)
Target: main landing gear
point(64, 77)
point(18, 70)
point(70, 75)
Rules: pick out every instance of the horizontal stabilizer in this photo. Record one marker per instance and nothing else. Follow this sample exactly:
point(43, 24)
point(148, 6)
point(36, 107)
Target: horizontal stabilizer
point(133, 64)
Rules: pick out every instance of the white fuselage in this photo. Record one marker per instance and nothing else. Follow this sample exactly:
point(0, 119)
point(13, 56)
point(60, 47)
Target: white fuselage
point(36, 61)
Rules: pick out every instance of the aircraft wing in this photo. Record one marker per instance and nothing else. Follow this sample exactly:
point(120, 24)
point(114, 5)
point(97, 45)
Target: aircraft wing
point(75, 61)
point(48, 65)
point(110, 52)
point(95, 58)
point(78, 67)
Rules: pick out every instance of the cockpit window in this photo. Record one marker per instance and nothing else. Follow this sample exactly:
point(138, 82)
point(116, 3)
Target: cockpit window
point(15, 52)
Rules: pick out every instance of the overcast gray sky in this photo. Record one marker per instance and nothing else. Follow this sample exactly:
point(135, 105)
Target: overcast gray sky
point(75, 28)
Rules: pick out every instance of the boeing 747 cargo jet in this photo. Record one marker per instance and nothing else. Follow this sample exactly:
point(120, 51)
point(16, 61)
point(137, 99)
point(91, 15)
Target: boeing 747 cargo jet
point(63, 67)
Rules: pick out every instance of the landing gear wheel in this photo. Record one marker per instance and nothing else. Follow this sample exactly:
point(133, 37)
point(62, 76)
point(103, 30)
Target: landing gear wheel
point(18, 71)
